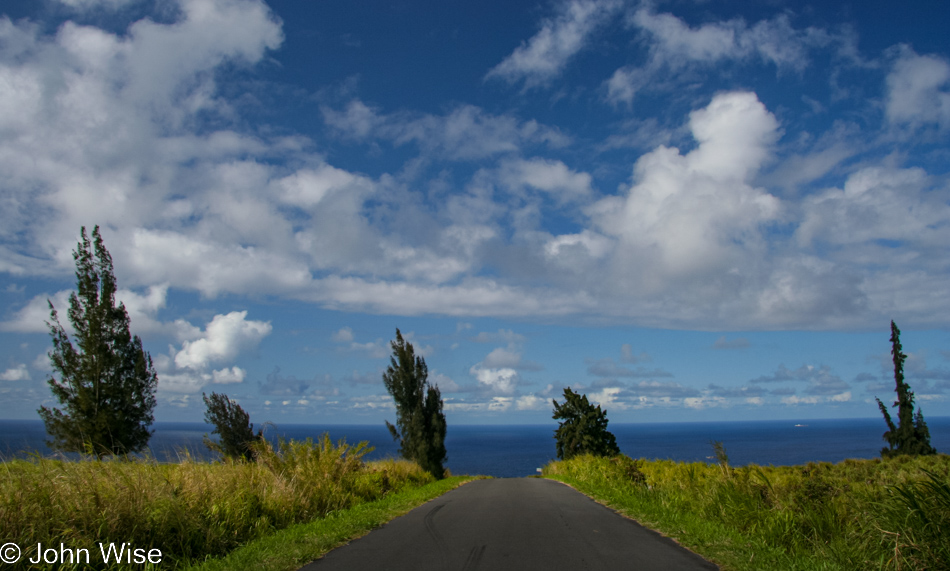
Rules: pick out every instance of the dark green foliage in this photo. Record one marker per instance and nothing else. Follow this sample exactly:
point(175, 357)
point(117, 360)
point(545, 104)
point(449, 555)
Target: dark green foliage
point(107, 385)
point(584, 430)
point(420, 423)
point(233, 425)
point(911, 435)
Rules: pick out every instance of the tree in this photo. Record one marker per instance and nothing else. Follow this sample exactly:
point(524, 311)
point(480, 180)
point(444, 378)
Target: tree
point(107, 384)
point(233, 425)
point(420, 423)
point(584, 428)
point(911, 435)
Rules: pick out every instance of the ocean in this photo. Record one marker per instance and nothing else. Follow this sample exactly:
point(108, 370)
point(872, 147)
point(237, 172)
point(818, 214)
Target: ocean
point(519, 450)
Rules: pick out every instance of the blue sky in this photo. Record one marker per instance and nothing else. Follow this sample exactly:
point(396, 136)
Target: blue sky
point(687, 210)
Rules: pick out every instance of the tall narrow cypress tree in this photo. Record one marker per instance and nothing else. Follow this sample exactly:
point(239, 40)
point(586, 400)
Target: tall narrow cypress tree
point(911, 435)
point(420, 423)
point(107, 385)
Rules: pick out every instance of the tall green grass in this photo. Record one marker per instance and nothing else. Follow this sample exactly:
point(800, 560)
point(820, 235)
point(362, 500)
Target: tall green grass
point(858, 514)
point(190, 510)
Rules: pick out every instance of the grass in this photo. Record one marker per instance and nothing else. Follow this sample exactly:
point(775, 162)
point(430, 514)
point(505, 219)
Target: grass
point(193, 511)
point(300, 544)
point(857, 514)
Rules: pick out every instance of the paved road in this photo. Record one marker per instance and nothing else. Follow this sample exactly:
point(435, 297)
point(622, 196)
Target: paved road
point(511, 523)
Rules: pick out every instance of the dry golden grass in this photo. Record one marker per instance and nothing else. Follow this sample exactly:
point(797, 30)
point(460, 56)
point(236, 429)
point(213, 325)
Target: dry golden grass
point(189, 510)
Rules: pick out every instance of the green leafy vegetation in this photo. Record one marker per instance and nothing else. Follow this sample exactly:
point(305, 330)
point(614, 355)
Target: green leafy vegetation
point(583, 428)
point(910, 435)
point(420, 423)
point(233, 426)
point(191, 510)
point(891, 513)
point(107, 385)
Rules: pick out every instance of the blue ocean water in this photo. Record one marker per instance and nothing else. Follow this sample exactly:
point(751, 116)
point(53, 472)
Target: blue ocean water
point(518, 450)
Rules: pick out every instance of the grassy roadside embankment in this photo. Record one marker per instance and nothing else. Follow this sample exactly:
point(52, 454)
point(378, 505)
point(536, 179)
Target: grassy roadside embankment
point(199, 511)
point(857, 514)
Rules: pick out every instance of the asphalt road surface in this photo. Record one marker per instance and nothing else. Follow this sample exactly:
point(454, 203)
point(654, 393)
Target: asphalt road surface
point(511, 523)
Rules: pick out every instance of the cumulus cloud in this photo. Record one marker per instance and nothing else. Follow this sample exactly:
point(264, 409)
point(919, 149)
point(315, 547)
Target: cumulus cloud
point(531, 402)
point(224, 338)
point(877, 203)
point(18, 373)
point(552, 177)
point(500, 381)
point(544, 56)
point(344, 335)
point(918, 90)
point(688, 215)
point(141, 307)
point(130, 129)
point(32, 317)
point(228, 376)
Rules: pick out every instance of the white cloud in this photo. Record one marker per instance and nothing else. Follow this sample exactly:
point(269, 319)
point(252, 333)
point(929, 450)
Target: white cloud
point(308, 188)
point(607, 397)
point(553, 177)
point(444, 382)
point(344, 335)
point(500, 404)
point(843, 397)
point(502, 358)
point(877, 203)
point(794, 399)
point(32, 317)
point(572, 249)
point(503, 380)
point(41, 363)
point(184, 382)
point(918, 90)
point(544, 56)
point(83, 5)
point(228, 376)
point(224, 338)
point(465, 133)
point(703, 402)
point(675, 45)
point(18, 373)
point(373, 349)
point(690, 215)
point(531, 402)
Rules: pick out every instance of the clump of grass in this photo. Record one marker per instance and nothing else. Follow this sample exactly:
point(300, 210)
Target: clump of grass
point(858, 514)
point(190, 510)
